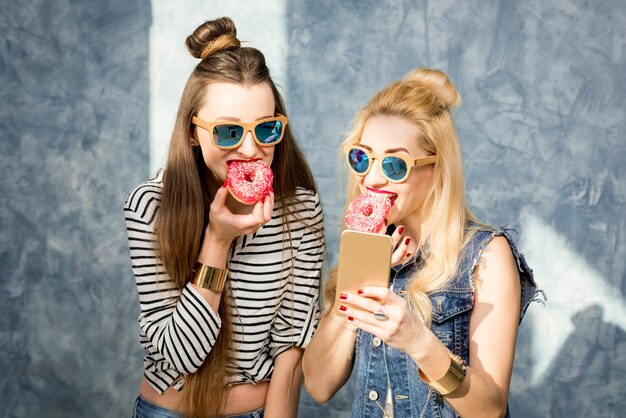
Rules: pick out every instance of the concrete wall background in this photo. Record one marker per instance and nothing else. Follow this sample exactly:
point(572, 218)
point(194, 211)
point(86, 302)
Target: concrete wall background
point(542, 130)
point(73, 136)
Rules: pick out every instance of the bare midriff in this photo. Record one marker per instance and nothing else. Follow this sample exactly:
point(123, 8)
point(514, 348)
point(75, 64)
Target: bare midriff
point(241, 398)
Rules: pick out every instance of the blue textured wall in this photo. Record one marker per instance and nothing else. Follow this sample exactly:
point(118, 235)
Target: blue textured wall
point(543, 135)
point(73, 139)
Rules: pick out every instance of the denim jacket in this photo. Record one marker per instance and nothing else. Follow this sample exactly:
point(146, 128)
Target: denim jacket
point(381, 365)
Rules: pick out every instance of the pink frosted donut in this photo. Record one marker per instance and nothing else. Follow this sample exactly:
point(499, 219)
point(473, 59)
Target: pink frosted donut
point(368, 212)
point(249, 181)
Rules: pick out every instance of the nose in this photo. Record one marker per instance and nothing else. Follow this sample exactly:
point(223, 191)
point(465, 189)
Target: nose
point(248, 147)
point(375, 178)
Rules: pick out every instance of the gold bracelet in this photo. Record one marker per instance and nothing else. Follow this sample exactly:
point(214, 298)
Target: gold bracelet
point(451, 380)
point(207, 277)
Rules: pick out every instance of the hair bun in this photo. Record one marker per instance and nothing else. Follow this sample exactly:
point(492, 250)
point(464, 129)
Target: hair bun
point(211, 37)
point(438, 84)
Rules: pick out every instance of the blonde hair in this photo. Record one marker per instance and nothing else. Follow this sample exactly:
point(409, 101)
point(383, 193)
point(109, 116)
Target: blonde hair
point(183, 213)
point(424, 97)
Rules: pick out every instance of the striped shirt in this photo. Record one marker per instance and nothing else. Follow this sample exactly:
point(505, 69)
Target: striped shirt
point(274, 287)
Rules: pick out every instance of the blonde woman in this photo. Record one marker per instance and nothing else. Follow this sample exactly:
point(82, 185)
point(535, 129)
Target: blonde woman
point(228, 292)
point(440, 340)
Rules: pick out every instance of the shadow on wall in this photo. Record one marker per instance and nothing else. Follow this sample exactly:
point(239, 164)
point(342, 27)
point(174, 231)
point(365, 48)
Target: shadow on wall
point(571, 357)
point(588, 375)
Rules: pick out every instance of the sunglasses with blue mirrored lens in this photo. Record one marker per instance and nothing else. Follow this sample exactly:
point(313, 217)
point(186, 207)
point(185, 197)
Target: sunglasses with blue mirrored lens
point(228, 134)
point(395, 167)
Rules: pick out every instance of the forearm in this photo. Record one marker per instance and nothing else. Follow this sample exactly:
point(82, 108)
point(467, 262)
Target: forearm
point(333, 347)
point(477, 395)
point(184, 332)
point(180, 324)
point(213, 253)
point(283, 394)
point(493, 334)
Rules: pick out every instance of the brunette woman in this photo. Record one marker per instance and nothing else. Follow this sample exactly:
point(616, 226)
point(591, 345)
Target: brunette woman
point(228, 291)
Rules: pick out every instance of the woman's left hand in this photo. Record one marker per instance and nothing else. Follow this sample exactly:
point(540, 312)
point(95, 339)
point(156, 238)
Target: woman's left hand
point(400, 327)
point(400, 243)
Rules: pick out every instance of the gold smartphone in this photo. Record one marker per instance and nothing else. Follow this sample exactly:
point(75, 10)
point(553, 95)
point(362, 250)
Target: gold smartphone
point(364, 260)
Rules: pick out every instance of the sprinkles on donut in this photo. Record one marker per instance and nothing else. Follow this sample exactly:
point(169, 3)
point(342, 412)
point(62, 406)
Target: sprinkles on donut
point(368, 212)
point(249, 181)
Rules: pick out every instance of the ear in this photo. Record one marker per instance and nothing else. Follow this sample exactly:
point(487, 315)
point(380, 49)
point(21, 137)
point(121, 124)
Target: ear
point(193, 140)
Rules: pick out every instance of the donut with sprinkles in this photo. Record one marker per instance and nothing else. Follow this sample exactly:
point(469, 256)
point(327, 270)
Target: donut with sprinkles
point(368, 212)
point(249, 181)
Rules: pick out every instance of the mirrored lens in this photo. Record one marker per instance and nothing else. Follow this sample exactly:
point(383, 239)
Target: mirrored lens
point(359, 161)
point(269, 132)
point(394, 168)
point(227, 135)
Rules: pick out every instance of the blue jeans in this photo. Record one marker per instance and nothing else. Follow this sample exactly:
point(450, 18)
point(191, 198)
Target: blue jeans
point(145, 409)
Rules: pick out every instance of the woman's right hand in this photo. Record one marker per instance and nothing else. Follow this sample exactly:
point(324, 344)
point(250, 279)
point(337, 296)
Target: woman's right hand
point(225, 226)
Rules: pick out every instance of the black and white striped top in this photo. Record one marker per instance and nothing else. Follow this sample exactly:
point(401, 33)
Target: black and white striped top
point(274, 294)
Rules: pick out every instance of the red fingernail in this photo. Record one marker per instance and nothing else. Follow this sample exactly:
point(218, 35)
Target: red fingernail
point(400, 230)
point(407, 240)
point(225, 183)
point(408, 255)
point(360, 292)
point(342, 308)
point(343, 296)
point(350, 318)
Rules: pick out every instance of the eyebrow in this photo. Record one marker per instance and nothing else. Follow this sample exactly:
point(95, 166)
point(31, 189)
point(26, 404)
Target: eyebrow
point(230, 118)
point(387, 151)
point(392, 150)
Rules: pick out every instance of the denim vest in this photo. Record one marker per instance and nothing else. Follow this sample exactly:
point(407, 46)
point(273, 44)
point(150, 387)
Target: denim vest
point(381, 365)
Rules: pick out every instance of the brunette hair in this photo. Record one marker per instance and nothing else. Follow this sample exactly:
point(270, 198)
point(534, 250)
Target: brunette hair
point(424, 97)
point(185, 201)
